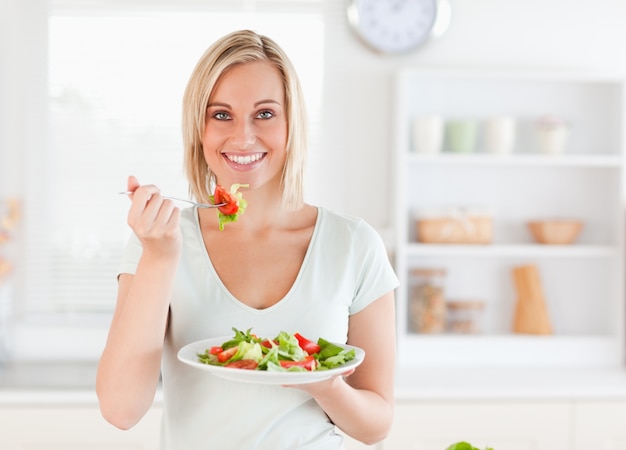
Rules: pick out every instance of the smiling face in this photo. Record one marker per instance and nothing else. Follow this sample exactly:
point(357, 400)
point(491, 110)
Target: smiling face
point(246, 126)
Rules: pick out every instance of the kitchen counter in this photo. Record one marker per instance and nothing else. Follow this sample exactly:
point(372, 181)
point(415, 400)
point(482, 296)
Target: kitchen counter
point(48, 375)
point(63, 382)
point(48, 383)
point(511, 384)
point(74, 382)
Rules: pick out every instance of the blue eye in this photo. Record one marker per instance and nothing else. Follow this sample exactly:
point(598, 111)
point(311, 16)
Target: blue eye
point(266, 114)
point(220, 115)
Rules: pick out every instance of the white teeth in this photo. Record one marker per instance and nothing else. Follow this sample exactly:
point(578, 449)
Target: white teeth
point(244, 159)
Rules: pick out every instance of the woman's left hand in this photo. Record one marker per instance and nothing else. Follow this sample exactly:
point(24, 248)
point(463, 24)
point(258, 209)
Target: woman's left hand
point(321, 386)
point(361, 405)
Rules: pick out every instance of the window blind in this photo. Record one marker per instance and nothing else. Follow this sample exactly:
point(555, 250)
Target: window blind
point(116, 75)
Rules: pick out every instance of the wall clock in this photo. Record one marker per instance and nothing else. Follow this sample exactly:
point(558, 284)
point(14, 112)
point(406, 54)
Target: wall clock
point(398, 26)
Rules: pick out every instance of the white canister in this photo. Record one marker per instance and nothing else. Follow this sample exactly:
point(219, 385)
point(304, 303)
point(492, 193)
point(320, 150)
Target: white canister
point(552, 134)
point(499, 134)
point(428, 133)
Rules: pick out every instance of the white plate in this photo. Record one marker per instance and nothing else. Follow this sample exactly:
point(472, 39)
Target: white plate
point(188, 355)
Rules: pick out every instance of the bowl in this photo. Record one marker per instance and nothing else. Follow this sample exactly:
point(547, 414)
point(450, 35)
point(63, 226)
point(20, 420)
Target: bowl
point(556, 232)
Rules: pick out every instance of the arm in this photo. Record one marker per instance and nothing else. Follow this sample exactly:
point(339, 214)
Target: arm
point(361, 405)
point(129, 368)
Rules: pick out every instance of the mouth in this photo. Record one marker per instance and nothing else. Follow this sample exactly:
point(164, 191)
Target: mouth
point(244, 159)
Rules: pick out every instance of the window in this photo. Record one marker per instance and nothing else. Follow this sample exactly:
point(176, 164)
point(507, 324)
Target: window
point(116, 75)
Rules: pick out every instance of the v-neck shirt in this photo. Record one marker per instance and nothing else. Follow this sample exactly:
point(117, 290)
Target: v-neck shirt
point(345, 269)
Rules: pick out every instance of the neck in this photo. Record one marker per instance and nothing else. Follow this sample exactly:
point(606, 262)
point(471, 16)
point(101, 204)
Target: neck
point(264, 211)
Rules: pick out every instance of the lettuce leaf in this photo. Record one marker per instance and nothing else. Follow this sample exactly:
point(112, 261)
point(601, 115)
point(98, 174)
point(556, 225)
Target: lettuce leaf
point(465, 446)
point(248, 350)
point(284, 347)
point(331, 355)
point(288, 347)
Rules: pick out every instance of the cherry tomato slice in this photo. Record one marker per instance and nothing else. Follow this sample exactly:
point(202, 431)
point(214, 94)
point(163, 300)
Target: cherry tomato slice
point(247, 364)
point(267, 343)
point(308, 363)
point(227, 354)
point(221, 195)
point(308, 346)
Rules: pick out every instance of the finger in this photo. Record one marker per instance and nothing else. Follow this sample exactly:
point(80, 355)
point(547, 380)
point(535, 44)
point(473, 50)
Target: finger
point(132, 184)
point(166, 223)
point(142, 193)
point(148, 205)
point(165, 211)
point(160, 210)
point(173, 222)
point(348, 373)
point(145, 204)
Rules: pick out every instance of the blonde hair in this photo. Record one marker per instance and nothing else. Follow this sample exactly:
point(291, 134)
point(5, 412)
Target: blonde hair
point(241, 47)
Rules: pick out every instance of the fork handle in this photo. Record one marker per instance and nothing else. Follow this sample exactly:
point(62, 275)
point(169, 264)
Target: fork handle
point(203, 205)
point(199, 205)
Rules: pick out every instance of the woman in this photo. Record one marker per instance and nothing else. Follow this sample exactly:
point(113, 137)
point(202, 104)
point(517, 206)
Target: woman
point(283, 265)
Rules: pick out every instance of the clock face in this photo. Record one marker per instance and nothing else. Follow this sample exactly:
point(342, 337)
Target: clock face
point(395, 26)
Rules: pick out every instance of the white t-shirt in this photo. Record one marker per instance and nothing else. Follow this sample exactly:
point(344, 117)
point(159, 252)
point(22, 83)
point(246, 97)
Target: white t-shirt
point(344, 270)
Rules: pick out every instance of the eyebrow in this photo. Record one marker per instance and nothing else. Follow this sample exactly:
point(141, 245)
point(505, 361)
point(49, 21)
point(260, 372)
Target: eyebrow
point(256, 104)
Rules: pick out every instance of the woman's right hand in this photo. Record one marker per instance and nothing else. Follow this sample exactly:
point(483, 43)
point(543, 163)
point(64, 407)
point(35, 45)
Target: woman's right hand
point(128, 373)
point(155, 220)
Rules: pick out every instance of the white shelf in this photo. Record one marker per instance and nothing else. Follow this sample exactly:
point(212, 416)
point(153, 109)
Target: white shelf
point(512, 250)
point(511, 383)
point(583, 283)
point(438, 351)
point(483, 159)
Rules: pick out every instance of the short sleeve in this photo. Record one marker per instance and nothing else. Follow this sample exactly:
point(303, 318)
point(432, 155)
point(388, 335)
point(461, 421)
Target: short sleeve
point(374, 274)
point(131, 256)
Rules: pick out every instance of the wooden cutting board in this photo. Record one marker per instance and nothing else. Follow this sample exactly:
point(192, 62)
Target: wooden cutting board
point(531, 314)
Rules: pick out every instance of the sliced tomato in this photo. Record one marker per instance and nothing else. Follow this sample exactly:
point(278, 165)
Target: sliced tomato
point(308, 363)
point(248, 364)
point(221, 195)
point(307, 345)
point(225, 355)
point(267, 343)
point(216, 350)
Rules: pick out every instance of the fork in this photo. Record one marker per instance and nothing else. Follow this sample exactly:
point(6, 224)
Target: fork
point(199, 205)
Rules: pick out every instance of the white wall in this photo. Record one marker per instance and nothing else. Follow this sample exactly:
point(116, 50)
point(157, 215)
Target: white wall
point(524, 34)
point(351, 170)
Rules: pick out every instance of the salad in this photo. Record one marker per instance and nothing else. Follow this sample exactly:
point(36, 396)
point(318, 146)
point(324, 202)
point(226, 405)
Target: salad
point(284, 353)
point(235, 205)
point(465, 446)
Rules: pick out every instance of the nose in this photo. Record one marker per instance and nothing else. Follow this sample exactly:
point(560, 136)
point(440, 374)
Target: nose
point(243, 136)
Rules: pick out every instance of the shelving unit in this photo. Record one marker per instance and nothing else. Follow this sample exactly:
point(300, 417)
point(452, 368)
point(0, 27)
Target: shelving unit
point(582, 282)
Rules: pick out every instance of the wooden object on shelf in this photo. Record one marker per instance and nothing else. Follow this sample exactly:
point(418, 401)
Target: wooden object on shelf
point(531, 314)
point(455, 228)
point(556, 232)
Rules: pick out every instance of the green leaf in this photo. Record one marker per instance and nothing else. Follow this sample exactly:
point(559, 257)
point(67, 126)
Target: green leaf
point(465, 446)
point(461, 446)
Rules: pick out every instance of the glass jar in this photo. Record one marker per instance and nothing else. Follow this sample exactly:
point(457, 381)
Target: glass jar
point(9, 215)
point(465, 317)
point(427, 305)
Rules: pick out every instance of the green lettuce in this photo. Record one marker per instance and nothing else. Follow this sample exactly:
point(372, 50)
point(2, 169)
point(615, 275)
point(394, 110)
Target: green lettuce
point(331, 355)
point(284, 347)
point(240, 336)
point(465, 446)
point(288, 347)
point(248, 350)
